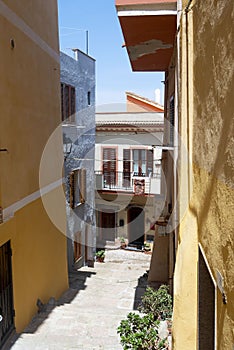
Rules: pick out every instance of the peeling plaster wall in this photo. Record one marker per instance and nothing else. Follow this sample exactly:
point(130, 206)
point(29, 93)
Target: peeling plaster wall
point(206, 128)
point(147, 48)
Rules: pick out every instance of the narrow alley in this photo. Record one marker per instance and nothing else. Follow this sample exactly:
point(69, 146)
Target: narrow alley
point(88, 314)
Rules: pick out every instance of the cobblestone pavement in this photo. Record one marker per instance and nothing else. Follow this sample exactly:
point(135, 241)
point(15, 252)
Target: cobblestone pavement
point(87, 315)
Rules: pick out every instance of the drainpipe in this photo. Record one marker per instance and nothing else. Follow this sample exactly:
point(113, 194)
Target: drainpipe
point(188, 5)
point(176, 143)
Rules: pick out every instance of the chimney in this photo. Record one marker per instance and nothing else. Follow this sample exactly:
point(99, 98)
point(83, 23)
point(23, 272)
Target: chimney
point(158, 96)
point(75, 54)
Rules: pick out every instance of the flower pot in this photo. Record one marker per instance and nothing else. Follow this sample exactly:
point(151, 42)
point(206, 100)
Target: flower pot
point(123, 245)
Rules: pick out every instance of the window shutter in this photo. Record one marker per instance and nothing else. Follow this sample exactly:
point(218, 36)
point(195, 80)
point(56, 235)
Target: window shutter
point(82, 185)
point(109, 160)
point(149, 161)
point(126, 168)
point(126, 160)
point(73, 104)
point(72, 189)
point(109, 165)
point(172, 120)
point(62, 102)
point(68, 102)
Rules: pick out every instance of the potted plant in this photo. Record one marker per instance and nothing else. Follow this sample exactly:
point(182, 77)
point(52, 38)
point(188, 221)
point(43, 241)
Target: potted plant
point(100, 255)
point(123, 242)
point(147, 247)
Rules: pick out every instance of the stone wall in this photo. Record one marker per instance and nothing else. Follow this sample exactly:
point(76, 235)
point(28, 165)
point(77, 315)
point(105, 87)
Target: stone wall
point(81, 75)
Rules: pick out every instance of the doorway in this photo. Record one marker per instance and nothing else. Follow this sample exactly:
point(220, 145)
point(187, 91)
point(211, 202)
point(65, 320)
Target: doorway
point(108, 225)
point(136, 227)
point(6, 293)
point(206, 306)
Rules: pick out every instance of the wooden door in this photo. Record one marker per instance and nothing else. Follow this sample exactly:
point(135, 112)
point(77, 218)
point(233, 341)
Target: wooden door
point(108, 226)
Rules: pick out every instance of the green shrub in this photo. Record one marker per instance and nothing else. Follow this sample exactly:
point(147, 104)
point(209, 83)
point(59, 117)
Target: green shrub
point(100, 254)
point(157, 302)
point(140, 332)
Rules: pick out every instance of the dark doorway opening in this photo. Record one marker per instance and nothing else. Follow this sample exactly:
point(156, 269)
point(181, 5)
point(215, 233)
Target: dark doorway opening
point(136, 227)
point(206, 306)
point(6, 293)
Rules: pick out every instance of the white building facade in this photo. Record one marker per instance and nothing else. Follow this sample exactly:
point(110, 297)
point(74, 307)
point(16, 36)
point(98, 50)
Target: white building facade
point(128, 155)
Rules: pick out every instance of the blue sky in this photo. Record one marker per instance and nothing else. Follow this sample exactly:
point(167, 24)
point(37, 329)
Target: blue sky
point(113, 71)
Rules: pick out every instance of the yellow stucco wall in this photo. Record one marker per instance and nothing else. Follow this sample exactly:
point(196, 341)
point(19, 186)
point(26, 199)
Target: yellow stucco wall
point(30, 112)
point(214, 156)
point(185, 274)
point(30, 90)
point(39, 267)
point(206, 127)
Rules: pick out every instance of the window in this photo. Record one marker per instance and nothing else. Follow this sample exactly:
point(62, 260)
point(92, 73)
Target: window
point(142, 162)
point(68, 102)
point(172, 119)
point(77, 187)
point(126, 168)
point(109, 166)
point(89, 98)
point(77, 246)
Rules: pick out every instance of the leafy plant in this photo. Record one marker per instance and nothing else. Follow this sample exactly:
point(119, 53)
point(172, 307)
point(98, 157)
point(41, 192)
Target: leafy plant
point(140, 332)
point(122, 240)
point(157, 302)
point(146, 246)
point(100, 254)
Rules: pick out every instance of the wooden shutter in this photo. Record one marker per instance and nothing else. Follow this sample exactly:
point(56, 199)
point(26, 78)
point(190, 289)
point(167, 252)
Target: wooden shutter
point(126, 168)
point(77, 187)
point(73, 103)
point(109, 165)
point(126, 161)
point(68, 102)
point(72, 189)
point(149, 162)
point(62, 102)
point(82, 185)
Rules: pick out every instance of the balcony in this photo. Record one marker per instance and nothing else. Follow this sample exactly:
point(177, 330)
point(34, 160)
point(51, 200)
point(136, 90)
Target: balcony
point(137, 183)
point(149, 28)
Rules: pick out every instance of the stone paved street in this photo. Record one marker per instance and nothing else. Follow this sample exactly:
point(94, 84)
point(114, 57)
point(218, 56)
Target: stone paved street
point(87, 315)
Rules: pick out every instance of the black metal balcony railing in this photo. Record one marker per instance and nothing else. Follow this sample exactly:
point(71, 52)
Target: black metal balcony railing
point(125, 181)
